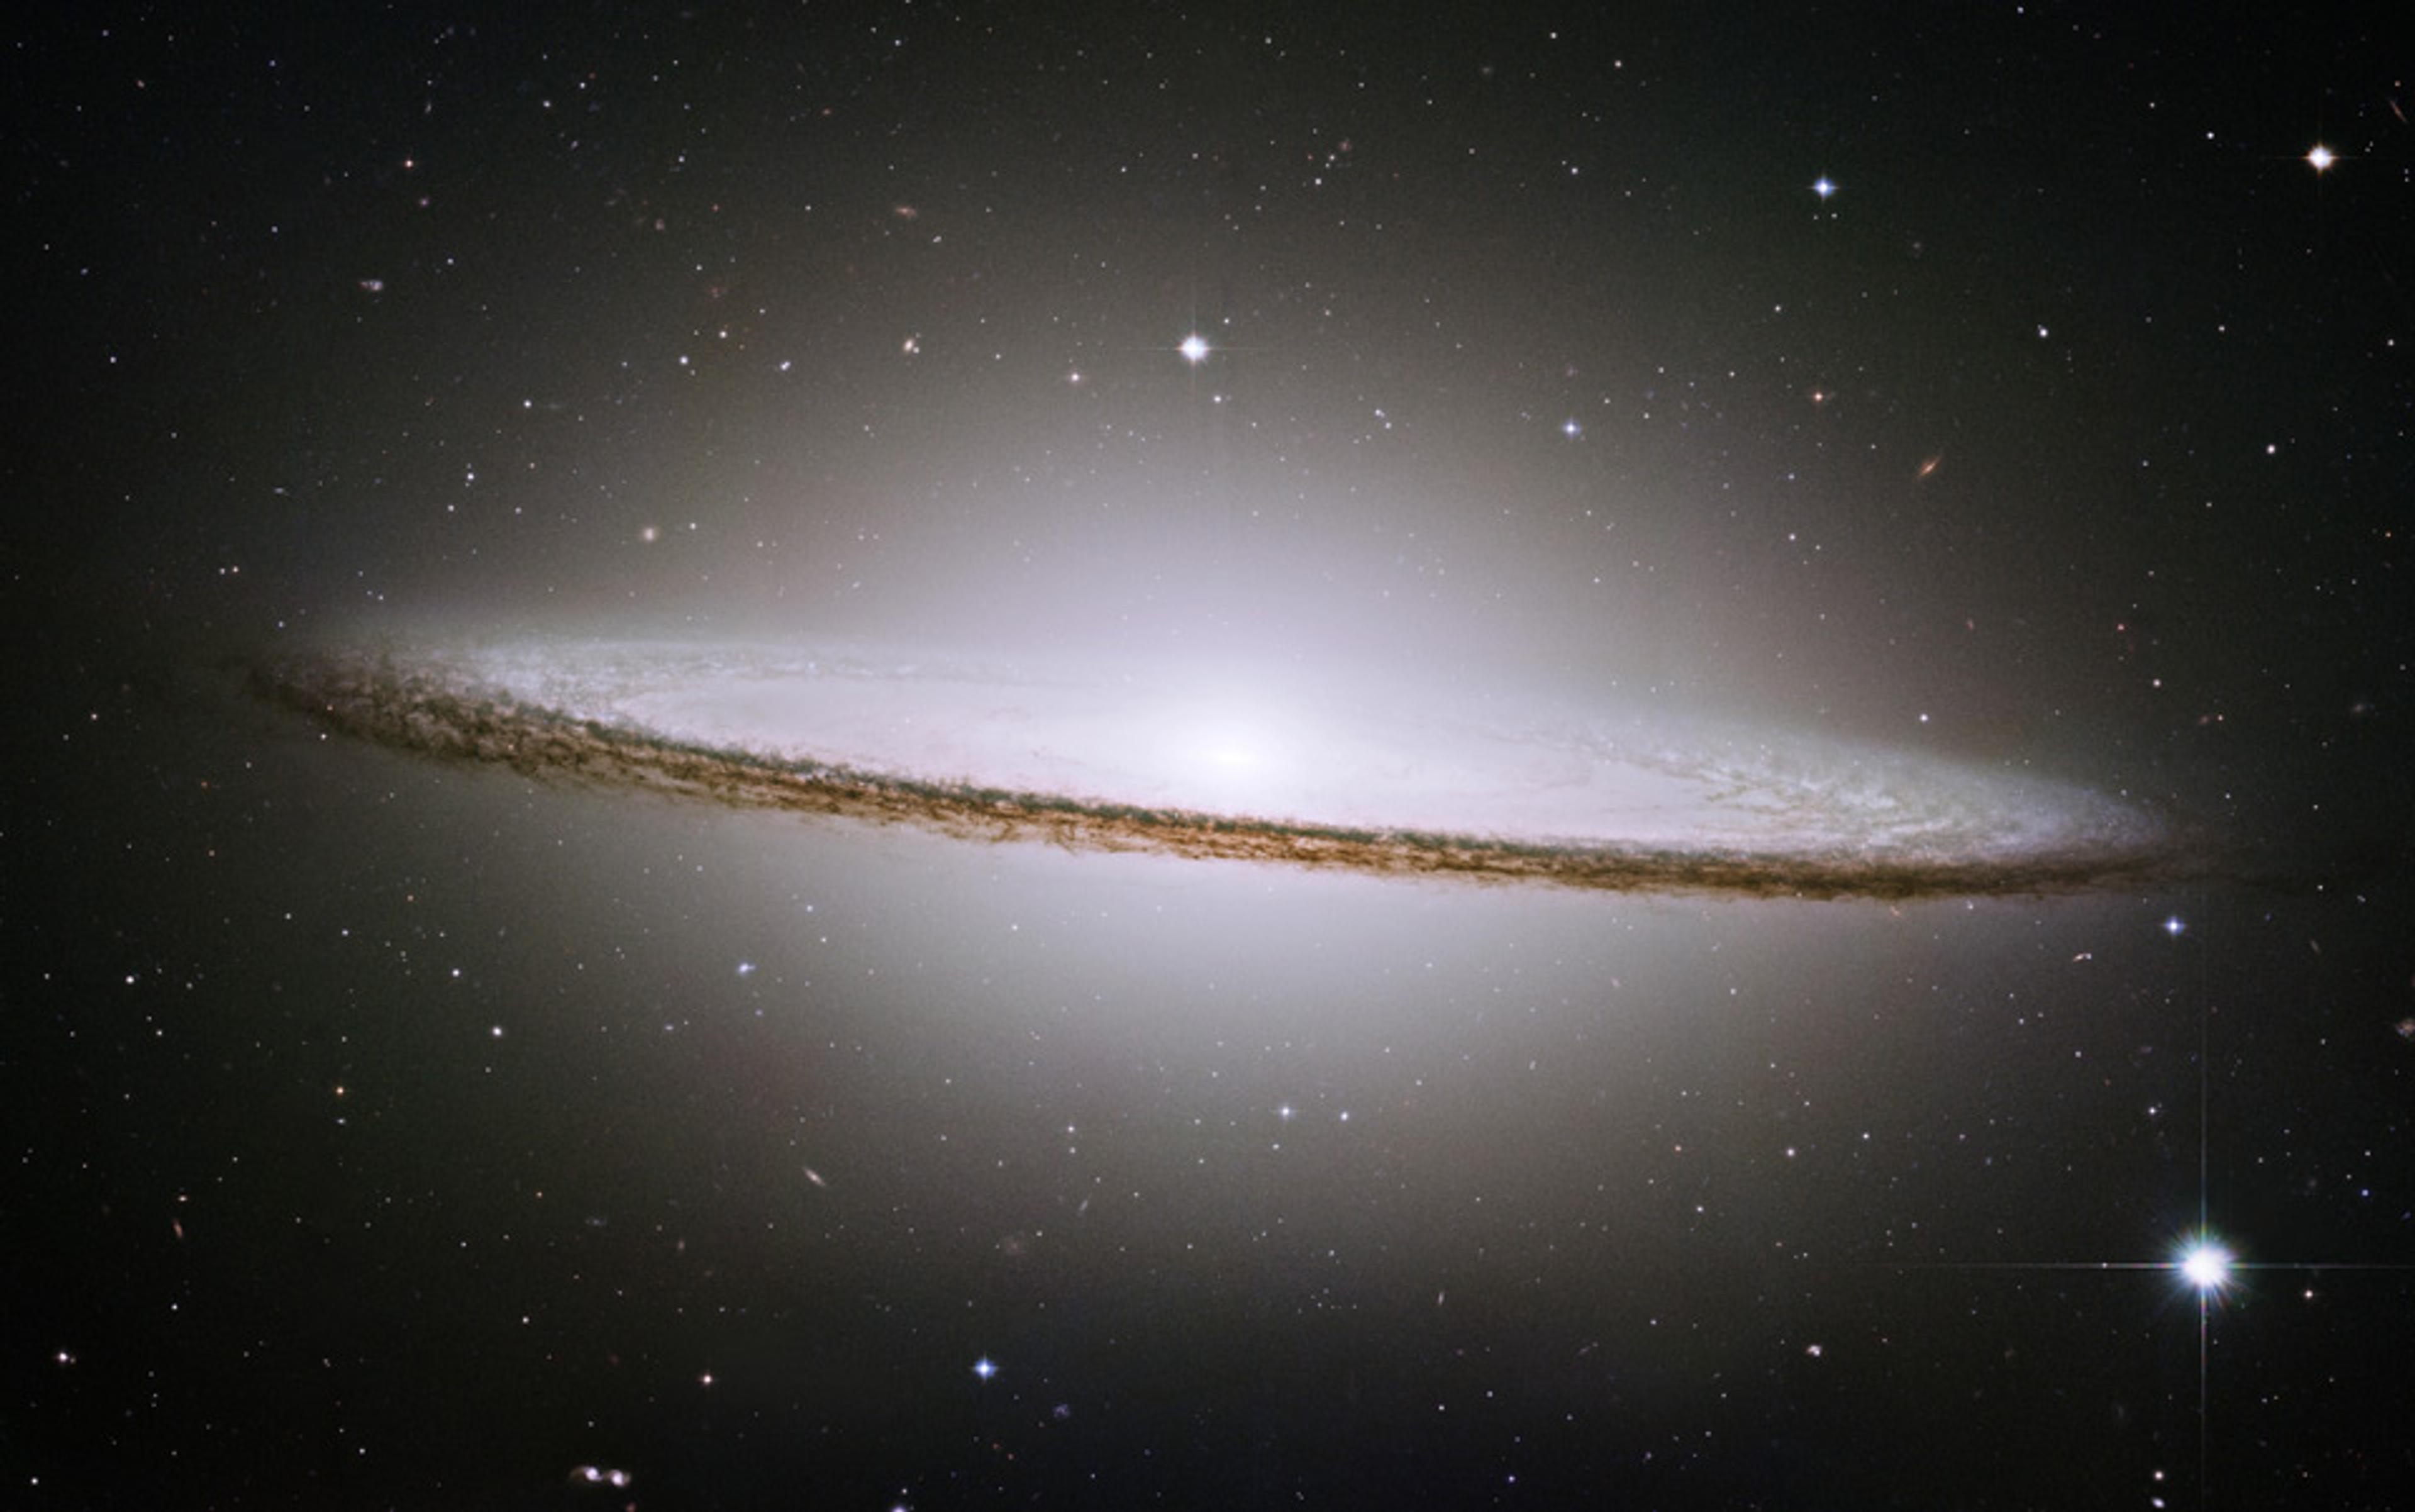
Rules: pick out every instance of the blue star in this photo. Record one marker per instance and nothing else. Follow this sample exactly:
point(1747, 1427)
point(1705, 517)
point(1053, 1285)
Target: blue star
point(2206, 1265)
point(985, 1367)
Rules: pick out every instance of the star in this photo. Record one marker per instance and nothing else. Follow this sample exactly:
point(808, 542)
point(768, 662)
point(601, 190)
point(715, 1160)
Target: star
point(1195, 349)
point(2175, 926)
point(2206, 1265)
point(985, 1367)
point(1824, 186)
point(2320, 158)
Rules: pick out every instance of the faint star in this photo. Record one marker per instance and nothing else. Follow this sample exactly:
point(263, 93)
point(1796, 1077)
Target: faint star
point(1195, 349)
point(2320, 158)
point(1824, 186)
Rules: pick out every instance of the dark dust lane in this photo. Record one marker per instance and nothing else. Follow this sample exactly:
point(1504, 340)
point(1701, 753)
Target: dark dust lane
point(1091, 767)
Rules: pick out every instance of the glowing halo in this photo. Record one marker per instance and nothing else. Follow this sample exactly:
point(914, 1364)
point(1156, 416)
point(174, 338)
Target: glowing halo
point(1109, 765)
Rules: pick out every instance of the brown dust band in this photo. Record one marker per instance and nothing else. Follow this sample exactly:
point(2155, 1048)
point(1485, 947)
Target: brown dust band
point(415, 711)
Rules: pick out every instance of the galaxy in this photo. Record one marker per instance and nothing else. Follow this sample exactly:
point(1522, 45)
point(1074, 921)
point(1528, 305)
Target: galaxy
point(925, 755)
point(1093, 765)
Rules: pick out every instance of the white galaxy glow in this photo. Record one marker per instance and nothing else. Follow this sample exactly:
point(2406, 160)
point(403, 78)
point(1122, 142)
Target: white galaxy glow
point(1318, 763)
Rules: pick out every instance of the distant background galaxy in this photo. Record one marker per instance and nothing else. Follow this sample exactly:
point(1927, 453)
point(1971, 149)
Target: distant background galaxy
point(2018, 393)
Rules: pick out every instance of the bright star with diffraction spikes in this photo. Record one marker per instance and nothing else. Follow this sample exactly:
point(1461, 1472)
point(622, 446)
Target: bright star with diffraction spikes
point(2207, 1266)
